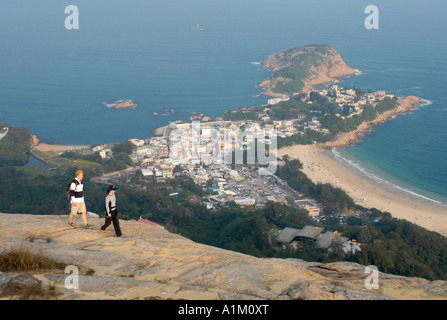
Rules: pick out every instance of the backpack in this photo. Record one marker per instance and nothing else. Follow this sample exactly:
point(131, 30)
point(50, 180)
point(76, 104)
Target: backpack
point(67, 191)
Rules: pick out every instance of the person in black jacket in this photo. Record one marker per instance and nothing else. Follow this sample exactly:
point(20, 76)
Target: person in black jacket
point(111, 211)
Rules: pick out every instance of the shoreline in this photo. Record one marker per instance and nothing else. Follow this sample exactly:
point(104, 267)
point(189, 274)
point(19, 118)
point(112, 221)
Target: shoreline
point(395, 186)
point(321, 166)
point(344, 139)
point(265, 85)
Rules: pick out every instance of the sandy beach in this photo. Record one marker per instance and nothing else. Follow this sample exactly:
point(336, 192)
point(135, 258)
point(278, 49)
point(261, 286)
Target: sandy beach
point(320, 165)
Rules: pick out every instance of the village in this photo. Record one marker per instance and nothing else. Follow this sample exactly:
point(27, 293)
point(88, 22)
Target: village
point(244, 183)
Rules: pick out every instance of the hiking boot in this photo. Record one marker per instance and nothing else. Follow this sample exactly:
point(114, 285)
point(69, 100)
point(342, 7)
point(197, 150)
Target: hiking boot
point(71, 224)
point(88, 226)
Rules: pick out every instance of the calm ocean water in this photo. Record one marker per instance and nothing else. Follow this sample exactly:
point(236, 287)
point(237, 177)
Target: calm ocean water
point(57, 82)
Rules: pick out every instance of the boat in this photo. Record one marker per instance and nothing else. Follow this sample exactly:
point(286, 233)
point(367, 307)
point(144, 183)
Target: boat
point(197, 28)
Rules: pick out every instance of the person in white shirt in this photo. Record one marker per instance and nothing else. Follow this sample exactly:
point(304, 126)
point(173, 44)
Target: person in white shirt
point(77, 202)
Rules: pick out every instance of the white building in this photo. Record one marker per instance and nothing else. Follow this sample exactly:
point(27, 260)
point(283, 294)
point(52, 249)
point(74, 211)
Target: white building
point(137, 142)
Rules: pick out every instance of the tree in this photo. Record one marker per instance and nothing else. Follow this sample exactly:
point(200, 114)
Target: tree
point(124, 147)
point(336, 249)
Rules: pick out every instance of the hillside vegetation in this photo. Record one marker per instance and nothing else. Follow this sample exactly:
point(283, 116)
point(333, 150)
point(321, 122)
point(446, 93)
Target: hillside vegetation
point(300, 69)
point(15, 146)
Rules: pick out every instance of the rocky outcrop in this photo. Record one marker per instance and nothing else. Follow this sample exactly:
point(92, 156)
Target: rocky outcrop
point(318, 65)
point(151, 263)
point(123, 104)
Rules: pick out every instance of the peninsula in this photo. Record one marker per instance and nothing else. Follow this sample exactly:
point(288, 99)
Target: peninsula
point(301, 113)
point(345, 139)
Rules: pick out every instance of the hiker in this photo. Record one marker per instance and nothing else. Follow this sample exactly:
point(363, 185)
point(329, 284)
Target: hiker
point(111, 211)
point(77, 203)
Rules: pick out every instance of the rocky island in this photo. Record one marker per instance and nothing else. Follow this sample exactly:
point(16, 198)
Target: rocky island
point(123, 104)
point(302, 69)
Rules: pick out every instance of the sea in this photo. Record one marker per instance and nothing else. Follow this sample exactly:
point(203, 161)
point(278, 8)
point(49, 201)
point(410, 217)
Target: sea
point(59, 83)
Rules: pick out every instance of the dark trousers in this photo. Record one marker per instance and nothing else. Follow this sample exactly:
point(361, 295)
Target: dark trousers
point(116, 223)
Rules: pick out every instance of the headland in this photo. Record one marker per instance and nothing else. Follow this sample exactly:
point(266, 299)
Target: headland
point(303, 69)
